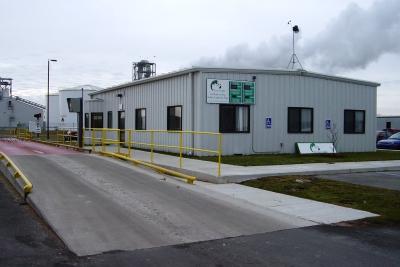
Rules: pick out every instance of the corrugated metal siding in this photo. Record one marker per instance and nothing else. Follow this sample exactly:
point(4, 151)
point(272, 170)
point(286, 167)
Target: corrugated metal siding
point(155, 97)
point(18, 114)
point(274, 94)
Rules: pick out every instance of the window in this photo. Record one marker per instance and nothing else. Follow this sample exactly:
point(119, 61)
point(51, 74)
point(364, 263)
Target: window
point(109, 120)
point(97, 120)
point(234, 119)
point(174, 119)
point(140, 119)
point(300, 120)
point(354, 121)
point(86, 120)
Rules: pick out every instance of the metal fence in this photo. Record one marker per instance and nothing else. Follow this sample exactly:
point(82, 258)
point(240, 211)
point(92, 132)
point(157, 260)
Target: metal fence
point(145, 139)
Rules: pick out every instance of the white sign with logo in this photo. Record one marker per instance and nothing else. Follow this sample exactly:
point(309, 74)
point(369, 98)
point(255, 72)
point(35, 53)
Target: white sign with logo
point(311, 148)
point(217, 91)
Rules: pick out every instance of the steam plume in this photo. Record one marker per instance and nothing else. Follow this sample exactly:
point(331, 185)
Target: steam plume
point(350, 41)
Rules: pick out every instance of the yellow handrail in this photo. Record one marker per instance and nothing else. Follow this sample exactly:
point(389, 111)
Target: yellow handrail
point(106, 141)
point(63, 133)
point(18, 174)
point(190, 179)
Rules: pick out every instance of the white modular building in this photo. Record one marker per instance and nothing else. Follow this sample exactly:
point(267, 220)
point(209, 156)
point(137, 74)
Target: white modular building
point(256, 110)
point(388, 122)
point(59, 115)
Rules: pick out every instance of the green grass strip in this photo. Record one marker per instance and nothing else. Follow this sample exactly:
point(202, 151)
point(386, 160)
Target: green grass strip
point(384, 202)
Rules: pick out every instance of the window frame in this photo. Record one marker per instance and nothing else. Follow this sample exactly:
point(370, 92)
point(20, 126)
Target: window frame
point(109, 119)
point(234, 120)
point(86, 120)
point(352, 129)
point(170, 122)
point(138, 119)
point(93, 120)
point(299, 120)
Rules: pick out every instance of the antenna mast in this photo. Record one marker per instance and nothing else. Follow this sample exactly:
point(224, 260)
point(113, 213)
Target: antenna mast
point(294, 57)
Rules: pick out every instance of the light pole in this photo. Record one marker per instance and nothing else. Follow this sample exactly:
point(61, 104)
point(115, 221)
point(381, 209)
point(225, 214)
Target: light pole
point(48, 96)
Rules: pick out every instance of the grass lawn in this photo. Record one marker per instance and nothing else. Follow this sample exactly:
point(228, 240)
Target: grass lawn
point(384, 202)
point(379, 201)
point(284, 159)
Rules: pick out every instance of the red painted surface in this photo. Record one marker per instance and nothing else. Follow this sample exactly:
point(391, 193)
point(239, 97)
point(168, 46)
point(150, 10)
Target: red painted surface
point(14, 147)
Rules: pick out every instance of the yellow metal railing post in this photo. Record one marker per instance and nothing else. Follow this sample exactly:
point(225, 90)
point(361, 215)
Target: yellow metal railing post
point(219, 154)
point(180, 149)
point(103, 138)
point(119, 140)
point(151, 145)
point(93, 145)
point(129, 142)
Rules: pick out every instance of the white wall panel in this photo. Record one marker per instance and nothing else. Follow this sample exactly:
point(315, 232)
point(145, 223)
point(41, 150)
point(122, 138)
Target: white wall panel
point(393, 120)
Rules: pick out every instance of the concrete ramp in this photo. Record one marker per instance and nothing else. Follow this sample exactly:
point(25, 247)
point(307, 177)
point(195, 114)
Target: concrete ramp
point(97, 205)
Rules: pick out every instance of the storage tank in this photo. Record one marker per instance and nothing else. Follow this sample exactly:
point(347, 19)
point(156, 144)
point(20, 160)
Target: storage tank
point(143, 69)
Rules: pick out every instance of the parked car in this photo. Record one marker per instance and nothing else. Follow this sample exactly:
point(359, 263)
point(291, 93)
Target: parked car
point(393, 142)
point(71, 135)
point(382, 135)
point(393, 131)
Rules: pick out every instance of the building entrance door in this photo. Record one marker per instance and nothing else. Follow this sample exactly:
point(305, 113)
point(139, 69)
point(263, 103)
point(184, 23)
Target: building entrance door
point(121, 125)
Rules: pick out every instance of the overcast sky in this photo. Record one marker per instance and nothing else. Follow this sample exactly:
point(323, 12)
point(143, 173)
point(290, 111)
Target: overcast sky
point(96, 41)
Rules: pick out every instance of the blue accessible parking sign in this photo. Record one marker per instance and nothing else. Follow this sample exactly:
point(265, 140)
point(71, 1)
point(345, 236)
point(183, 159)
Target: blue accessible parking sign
point(268, 123)
point(327, 124)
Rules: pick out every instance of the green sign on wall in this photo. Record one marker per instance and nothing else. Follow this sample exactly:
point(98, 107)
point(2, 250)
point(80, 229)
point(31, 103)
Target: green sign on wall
point(248, 92)
point(228, 91)
point(235, 92)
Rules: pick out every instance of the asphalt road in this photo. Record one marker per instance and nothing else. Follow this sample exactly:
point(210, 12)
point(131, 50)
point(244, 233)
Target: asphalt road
point(386, 180)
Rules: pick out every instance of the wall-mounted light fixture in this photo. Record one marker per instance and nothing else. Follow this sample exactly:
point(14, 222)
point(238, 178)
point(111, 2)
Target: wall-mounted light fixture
point(254, 78)
point(119, 95)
